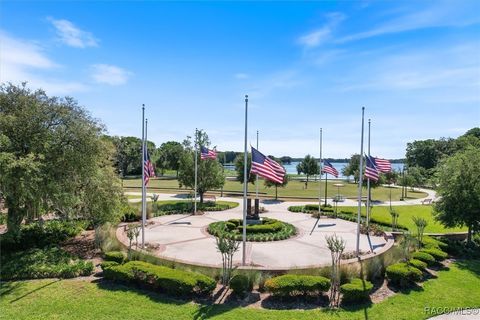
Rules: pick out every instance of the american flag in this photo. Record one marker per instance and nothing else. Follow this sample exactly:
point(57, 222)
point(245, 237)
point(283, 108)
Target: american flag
point(383, 165)
point(207, 153)
point(328, 168)
point(371, 171)
point(148, 167)
point(266, 167)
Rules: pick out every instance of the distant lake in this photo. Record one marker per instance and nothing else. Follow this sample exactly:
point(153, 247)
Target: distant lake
point(292, 167)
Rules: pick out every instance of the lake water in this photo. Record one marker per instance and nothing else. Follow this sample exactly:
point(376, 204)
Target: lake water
point(292, 168)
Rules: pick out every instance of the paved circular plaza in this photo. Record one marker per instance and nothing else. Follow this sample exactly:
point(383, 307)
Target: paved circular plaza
point(184, 238)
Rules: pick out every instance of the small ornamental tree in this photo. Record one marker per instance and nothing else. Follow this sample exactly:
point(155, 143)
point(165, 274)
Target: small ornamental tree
point(336, 246)
point(394, 214)
point(421, 224)
point(227, 247)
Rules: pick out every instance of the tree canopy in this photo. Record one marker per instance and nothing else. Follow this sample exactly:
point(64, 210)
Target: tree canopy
point(458, 180)
point(169, 155)
point(54, 157)
point(239, 168)
point(309, 166)
point(210, 172)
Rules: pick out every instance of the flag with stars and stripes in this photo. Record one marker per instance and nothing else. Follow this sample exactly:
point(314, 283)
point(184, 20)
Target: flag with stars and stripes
point(266, 167)
point(371, 170)
point(328, 168)
point(383, 165)
point(207, 153)
point(148, 167)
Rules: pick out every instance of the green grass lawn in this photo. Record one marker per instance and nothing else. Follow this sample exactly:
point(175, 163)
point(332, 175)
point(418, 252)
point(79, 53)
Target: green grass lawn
point(294, 189)
point(405, 217)
point(77, 299)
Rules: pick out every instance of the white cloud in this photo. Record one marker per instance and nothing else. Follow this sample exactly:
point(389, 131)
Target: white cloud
point(321, 35)
point(241, 76)
point(108, 74)
point(72, 36)
point(441, 14)
point(25, 61)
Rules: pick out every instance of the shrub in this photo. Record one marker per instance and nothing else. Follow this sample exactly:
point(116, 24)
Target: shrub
point(36, 235)
point(171, 281)
point(429, 242)
point(425, 257)
point(37, 263)
point(116, 256)
point(107, 264)
point(403, 275)
point(356, 290)
point(240, 284)
point(292, 285)
point(295, 208)
point(438, 254)
point(420, 265)
point(269, 230)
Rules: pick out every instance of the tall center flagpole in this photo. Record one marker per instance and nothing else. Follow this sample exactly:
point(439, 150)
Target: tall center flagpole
point(360, 182)
point(144, 200)
point(368, 180)
point(196, 173)
point(245, 183)
point(320, 177)
point(256, 179)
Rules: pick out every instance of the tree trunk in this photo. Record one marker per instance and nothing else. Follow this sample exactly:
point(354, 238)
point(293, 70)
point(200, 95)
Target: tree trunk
point(276, 192)
point(14, 220)
point(201, 197)
point(469, 235)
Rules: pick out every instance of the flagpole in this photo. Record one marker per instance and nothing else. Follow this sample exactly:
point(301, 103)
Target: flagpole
point(144, 202)
point(245, 182)
point(256, 180)
point(360, 182)
point(320, 177)
point(196, 173)
point(326, 186)
point(368, 180)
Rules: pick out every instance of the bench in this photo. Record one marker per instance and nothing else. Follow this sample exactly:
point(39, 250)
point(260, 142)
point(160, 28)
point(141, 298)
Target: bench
point(426, 201)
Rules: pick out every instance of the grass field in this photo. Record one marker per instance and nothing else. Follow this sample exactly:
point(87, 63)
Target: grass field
point(405, 217)
point(294, 189)
point(77, 299)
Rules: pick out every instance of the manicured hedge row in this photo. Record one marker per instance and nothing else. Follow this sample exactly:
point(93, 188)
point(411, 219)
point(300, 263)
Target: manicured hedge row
point(116, 256)
point(170, 281)
point(310, 208)
point(270, 230)
point(425, 257)
point(403, 275)
point(429, 242)
point(420, 265)
point(438, 254)
point(356, 290)
point(293, 285)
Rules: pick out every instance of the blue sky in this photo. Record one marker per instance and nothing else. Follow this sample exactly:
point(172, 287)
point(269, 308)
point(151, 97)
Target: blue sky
point(414, 65)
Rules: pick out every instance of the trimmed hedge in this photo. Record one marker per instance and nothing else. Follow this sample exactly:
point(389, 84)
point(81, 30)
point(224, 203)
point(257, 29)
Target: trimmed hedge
point(269, 230)
point(438, 254)
point(420, 265)
point(170, 281)
point(425, 257)
point(240, 285)
point(116, 256)
point(294, 285)
point(356, 290)
point(429, 242)
point(403, 275)
point(107, 264)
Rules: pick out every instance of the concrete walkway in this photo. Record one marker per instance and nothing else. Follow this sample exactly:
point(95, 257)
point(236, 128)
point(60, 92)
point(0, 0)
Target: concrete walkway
point(184, 238)
point(431, 194)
